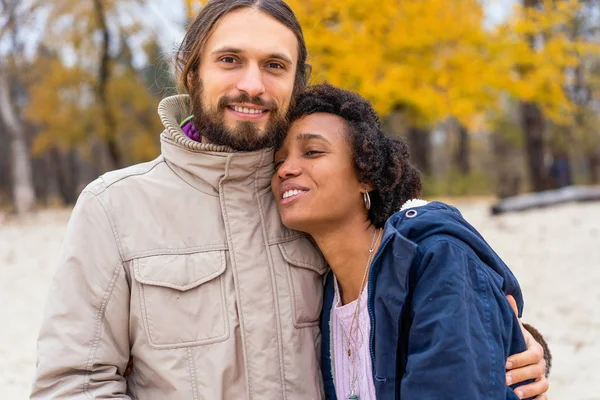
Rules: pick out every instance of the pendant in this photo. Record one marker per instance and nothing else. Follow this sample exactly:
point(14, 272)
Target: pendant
point(349, 352)
point(353, 397)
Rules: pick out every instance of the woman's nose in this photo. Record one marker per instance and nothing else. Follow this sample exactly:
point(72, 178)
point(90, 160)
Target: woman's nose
point(289, 169)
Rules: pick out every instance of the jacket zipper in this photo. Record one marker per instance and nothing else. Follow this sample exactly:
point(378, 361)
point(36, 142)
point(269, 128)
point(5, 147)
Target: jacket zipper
point(370, 306)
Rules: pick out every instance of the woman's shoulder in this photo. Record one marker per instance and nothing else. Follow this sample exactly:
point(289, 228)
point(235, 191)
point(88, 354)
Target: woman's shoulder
point(419, 218)
point(440, 234)
point(434, 226)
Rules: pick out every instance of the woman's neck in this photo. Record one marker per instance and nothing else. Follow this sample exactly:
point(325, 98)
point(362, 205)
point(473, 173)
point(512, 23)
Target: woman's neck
point(346, 250)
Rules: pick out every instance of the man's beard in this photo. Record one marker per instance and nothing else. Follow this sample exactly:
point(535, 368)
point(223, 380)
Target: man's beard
point(246, 136)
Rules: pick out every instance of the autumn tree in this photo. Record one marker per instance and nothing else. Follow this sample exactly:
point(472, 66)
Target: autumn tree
point(435, 59)
point(426, 62)
point(15, 13)
point(87, 99)
point(584, 90)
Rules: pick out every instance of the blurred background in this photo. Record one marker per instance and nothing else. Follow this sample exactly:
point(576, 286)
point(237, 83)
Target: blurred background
point(496, 98)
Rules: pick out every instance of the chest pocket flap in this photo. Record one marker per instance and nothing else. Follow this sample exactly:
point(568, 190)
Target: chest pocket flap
point(180, 272)
point(182, 299)
point(303, 253)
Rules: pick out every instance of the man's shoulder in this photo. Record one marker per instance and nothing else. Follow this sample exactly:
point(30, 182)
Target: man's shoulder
point(125, 176)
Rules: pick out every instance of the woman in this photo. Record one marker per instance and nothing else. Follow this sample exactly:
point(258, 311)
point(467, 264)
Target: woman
point(416, 306)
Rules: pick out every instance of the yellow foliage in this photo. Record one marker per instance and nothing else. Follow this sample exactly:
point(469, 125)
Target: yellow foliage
point(437, 58)
point(64, 108)
point(192, 7)
point(58, 104)
point(64, 103)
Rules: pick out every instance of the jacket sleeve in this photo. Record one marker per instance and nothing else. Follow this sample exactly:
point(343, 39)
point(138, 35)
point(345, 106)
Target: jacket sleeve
point(462, 329)
point(83, 345)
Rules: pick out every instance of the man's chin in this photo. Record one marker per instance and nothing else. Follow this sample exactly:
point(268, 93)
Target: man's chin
point(240, 126)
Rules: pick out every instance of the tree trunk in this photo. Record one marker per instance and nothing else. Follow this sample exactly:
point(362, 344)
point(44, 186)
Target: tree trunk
point(65, 175)
point(419, 145)
point(104, 75)
point(461, 156)
point(508, 177)
point(593, 162)
point(22, 183)
point(534, 128)
point(5, 181)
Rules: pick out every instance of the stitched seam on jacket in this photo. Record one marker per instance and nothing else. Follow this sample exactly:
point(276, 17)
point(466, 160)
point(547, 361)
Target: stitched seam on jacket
point(145, 318)
point(187, 183)
point(147, 322)
point(297, 263)
point(274, 285)
point(487, 312)
point(116, 236)
point(285, 239)
point(193, 378)
point(488, 329)
point(97, 330)
point(107, 294)
point(107, 185)
point(236, 277)
point(179, 251)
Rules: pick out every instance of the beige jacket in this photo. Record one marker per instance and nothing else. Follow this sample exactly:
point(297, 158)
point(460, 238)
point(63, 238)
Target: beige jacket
point(184, 264)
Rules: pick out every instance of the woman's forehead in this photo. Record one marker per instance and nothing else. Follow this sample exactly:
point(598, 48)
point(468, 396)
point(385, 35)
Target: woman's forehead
point(324, 124)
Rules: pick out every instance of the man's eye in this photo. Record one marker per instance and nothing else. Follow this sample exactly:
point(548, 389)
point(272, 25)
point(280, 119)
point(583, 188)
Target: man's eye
point(275, 65)
point(228, 60)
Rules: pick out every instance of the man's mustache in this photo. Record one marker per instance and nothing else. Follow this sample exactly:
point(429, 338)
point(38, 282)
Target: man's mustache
point(226, 101)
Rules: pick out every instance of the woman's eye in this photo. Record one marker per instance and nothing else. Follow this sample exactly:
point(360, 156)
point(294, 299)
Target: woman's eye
point(313, 152)
point(278, 164)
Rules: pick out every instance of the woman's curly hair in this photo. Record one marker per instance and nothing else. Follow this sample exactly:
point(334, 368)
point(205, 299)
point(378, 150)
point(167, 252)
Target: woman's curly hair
point(381, 161)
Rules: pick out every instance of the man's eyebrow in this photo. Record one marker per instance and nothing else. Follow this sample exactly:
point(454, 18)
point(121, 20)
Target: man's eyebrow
point(280, 56)
point(235, 50)
point(309, 136)
point(227, 49)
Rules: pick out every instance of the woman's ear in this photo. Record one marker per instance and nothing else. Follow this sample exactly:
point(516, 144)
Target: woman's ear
point(367, 188)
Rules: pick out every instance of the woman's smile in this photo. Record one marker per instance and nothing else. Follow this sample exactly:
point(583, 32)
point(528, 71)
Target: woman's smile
point(289, 192)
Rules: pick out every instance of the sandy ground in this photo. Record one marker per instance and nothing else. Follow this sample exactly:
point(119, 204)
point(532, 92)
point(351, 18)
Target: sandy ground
point(554, 252)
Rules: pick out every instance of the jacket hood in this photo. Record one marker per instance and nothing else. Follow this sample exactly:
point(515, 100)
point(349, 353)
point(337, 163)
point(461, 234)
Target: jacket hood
point(419, 222)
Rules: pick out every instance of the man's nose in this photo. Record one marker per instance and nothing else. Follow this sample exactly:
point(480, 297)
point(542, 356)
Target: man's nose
point(252, 81)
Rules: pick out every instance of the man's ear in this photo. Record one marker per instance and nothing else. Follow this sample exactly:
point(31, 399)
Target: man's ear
point(192, 79)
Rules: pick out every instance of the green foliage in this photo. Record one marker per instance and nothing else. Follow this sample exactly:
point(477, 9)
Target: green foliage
point(455, 184)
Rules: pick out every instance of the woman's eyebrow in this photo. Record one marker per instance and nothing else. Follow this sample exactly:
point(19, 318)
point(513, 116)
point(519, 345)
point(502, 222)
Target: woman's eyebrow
point(309, 136)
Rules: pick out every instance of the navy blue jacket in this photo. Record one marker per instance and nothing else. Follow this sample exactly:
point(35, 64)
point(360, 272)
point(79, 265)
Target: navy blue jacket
point(441, 325)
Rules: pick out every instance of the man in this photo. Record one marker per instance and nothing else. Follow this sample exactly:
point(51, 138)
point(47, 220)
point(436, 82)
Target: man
point(182, 263)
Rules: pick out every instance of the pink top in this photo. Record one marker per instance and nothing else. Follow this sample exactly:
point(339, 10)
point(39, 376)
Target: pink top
point(342, 363)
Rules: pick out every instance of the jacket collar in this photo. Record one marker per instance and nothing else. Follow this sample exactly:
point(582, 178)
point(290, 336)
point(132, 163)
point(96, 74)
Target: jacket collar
point(206, 166)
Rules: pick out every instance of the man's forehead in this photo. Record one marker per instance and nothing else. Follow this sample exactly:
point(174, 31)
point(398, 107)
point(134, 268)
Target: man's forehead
point(252, 31)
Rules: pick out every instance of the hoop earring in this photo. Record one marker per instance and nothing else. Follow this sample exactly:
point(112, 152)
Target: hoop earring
point(367, 200)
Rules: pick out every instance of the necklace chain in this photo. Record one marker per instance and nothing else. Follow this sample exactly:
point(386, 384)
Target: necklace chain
point(349, 338)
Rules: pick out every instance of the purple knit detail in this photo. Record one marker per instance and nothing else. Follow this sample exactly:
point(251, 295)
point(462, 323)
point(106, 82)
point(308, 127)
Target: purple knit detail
point(190, 131)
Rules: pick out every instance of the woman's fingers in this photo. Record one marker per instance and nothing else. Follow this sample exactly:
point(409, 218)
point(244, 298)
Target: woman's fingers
point(527, 365)
point(533, 355)
point(537, 388)
point(528, 372)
